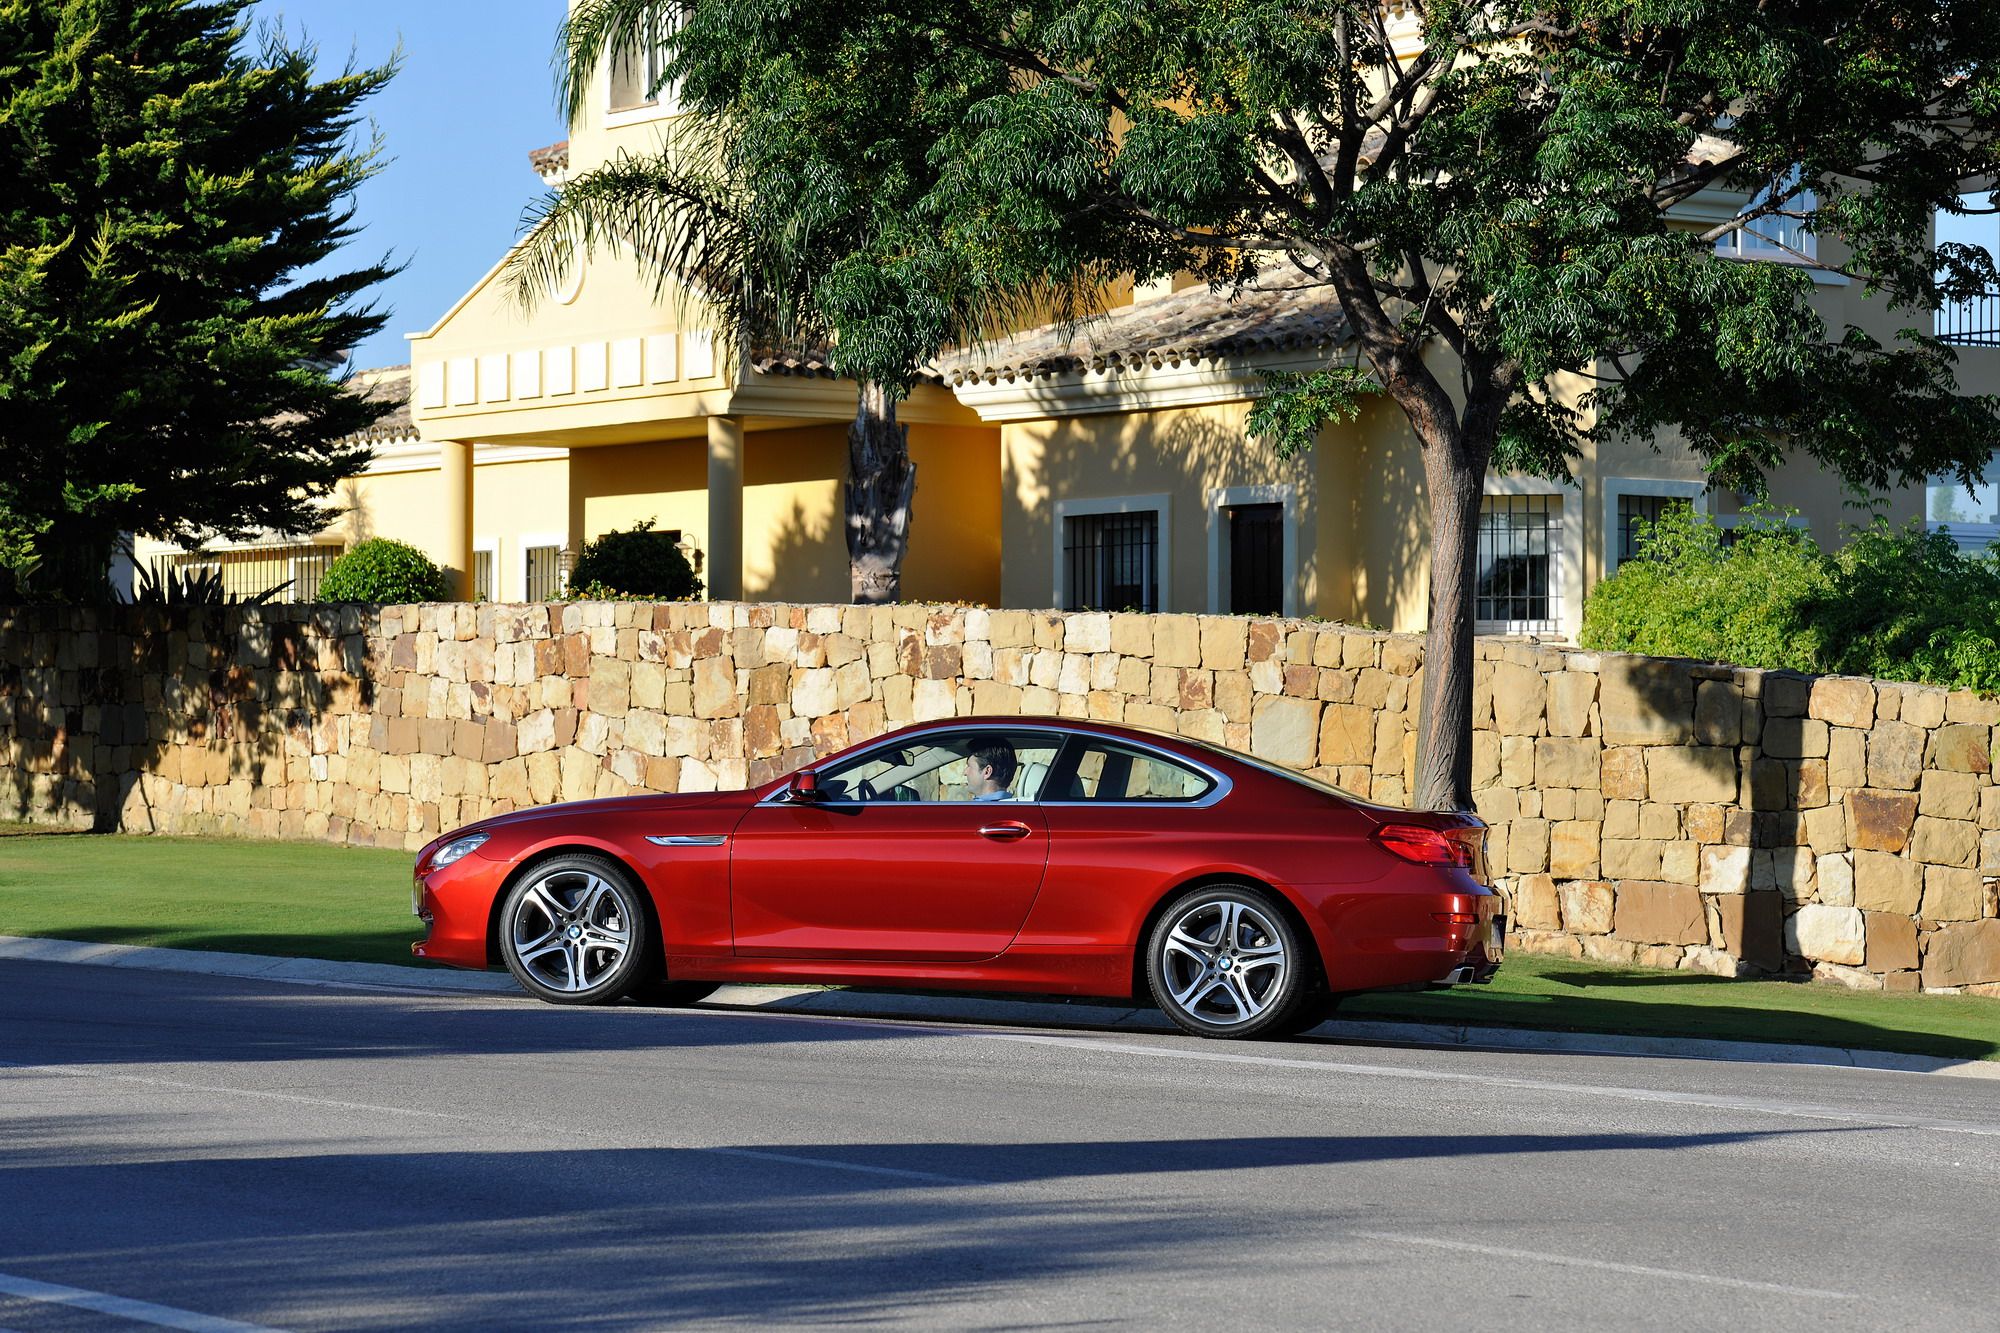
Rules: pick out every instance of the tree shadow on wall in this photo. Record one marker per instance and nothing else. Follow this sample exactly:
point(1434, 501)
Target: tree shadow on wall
point(116, 726)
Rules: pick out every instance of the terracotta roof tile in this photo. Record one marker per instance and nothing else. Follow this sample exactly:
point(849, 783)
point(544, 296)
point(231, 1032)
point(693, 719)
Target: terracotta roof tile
point(387, 384)
point(1282, 310)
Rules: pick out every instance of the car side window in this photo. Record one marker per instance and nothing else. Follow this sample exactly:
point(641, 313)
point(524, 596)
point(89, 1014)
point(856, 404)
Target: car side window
point(1108, 771)
point(986, 765)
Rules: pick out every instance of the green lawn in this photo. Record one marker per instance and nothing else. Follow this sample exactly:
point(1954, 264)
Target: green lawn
point(319, 901)
point(310, 900)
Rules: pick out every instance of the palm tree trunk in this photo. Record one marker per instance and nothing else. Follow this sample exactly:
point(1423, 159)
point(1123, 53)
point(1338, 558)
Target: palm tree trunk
point(881, 482)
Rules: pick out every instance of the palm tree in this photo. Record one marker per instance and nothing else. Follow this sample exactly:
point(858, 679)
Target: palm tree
point(790, 240)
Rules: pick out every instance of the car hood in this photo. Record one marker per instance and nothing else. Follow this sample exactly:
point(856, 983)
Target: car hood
point(609, 805)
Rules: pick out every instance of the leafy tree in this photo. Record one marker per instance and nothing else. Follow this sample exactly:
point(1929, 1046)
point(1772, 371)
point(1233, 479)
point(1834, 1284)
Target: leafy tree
point(163, 368)
point(1492, 209)
point(796, 204)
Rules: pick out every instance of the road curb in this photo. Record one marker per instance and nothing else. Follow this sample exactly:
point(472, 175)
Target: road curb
point(930, 1007)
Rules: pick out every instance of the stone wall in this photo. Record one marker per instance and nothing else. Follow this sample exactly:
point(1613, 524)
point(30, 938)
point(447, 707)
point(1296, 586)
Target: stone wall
point(1661, 812)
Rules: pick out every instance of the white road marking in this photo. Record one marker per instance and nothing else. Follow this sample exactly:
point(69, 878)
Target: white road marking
point(1606, 1265)
point(121, 1307)
point(490, 1122)
point(1749, 1105)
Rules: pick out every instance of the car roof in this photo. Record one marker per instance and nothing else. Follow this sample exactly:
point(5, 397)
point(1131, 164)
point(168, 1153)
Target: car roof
point(1046, 722)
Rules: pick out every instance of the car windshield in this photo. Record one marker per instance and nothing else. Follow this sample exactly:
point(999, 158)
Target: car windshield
point(1279, 770)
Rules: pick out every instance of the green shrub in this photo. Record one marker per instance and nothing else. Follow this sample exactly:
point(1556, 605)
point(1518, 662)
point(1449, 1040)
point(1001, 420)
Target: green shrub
point(382, 570)
point(1901, 604)
point(638, 562)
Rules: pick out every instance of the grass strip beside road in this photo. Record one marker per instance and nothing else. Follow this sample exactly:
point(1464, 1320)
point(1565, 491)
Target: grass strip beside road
point(299, 900)
point(315, 900)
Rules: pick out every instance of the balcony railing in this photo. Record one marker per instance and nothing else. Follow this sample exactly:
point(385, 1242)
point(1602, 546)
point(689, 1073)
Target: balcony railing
point(1974, 323)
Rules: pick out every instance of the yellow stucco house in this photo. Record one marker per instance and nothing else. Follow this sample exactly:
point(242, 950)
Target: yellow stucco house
point(1108, 468)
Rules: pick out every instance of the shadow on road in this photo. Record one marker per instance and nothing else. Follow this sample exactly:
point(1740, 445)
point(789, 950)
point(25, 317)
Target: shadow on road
point(447, 1238)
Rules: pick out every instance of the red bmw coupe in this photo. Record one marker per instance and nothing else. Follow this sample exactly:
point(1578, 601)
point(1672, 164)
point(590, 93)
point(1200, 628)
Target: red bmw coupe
point(1018, 854)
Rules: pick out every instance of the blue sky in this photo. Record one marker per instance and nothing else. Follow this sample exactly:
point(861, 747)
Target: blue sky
point(475, 94)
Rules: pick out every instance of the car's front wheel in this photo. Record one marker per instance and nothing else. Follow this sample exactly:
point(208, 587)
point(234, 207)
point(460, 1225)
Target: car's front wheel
point(1224, 961)
point(574, 931)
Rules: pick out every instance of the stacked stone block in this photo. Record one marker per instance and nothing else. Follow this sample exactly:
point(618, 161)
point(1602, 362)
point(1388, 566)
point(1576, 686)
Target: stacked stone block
point(1666, 813)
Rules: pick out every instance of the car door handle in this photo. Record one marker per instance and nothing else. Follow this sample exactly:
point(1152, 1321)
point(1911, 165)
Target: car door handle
point(1007, 831)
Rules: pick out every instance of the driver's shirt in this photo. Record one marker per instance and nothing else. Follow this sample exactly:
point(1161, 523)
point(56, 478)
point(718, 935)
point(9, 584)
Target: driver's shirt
point(1002, 795)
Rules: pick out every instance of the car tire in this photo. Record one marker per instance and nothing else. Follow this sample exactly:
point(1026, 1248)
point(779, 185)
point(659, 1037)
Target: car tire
point(1315, 1008)
point(1225, 961)
point(577, 930)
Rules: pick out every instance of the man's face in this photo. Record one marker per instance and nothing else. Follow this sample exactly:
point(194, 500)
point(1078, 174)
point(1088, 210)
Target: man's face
point(980, 776)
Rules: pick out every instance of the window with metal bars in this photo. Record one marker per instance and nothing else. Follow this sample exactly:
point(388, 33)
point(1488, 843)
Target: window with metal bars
point(1516, 582)
point(482, 576)
point(1636, 513)
point(544, 573)
point(1112, 561)
point(1256, 535)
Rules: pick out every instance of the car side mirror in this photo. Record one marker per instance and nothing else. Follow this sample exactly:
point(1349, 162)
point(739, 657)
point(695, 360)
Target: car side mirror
point(804, 787)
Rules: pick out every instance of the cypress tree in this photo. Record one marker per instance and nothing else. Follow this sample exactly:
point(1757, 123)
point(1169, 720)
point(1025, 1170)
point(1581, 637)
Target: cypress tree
point(166, 366)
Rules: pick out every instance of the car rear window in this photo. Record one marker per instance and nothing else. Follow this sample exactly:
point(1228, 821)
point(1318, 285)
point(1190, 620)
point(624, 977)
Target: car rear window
point(1108, 771)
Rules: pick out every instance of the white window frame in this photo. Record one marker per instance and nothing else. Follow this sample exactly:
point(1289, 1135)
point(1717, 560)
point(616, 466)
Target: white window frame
point(1972, 538)
point(1748, 242)
point(1221, 498)
point(489, 546)
point(1565, 572)
point(1162, 505)
point(1695, 492)
point(663, 103)
point(534, 541)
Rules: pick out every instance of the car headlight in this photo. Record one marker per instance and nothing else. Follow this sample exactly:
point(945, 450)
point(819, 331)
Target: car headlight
point(457, 849)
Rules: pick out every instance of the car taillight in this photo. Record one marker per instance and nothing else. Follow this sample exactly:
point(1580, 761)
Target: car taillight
point(1429, 846)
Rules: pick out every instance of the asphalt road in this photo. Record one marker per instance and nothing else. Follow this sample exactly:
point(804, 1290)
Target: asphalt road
point(210, 1154)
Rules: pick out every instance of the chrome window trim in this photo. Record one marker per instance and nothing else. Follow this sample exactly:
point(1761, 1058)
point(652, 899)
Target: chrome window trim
point(688, 839)
point(1221, 789)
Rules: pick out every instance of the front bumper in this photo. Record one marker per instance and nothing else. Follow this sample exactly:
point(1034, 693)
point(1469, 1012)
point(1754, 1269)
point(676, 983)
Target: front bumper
point(455, 903)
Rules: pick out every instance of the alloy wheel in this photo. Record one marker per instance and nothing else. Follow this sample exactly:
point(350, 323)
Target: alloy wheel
point(572, 929)
point(1223, 964)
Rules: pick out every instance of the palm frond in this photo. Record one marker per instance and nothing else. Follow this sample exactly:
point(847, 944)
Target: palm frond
point(597, 29)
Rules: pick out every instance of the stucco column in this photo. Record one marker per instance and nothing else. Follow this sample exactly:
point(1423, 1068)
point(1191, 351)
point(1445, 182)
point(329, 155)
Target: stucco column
point(455, 516)
point(724, 571)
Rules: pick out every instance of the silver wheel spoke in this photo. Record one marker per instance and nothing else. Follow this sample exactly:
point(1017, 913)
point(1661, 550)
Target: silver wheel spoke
point(1228, 988)
point(1180, 942)
point(1239, 991)
point(546, 902)
point(594, 892)
point(528, 953)
point(524, 947)
point(1203, 982)
point(1231, 925)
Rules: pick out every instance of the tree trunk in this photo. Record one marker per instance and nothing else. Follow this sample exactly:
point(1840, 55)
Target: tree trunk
point(881, 482)
point(1444, 727)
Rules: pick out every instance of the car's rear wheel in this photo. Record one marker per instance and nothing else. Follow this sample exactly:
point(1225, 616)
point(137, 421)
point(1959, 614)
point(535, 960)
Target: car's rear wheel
point(1224, 961)
point(574, 930)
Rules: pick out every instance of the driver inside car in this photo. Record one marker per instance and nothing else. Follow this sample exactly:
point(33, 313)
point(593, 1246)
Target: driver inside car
point(989, 768)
